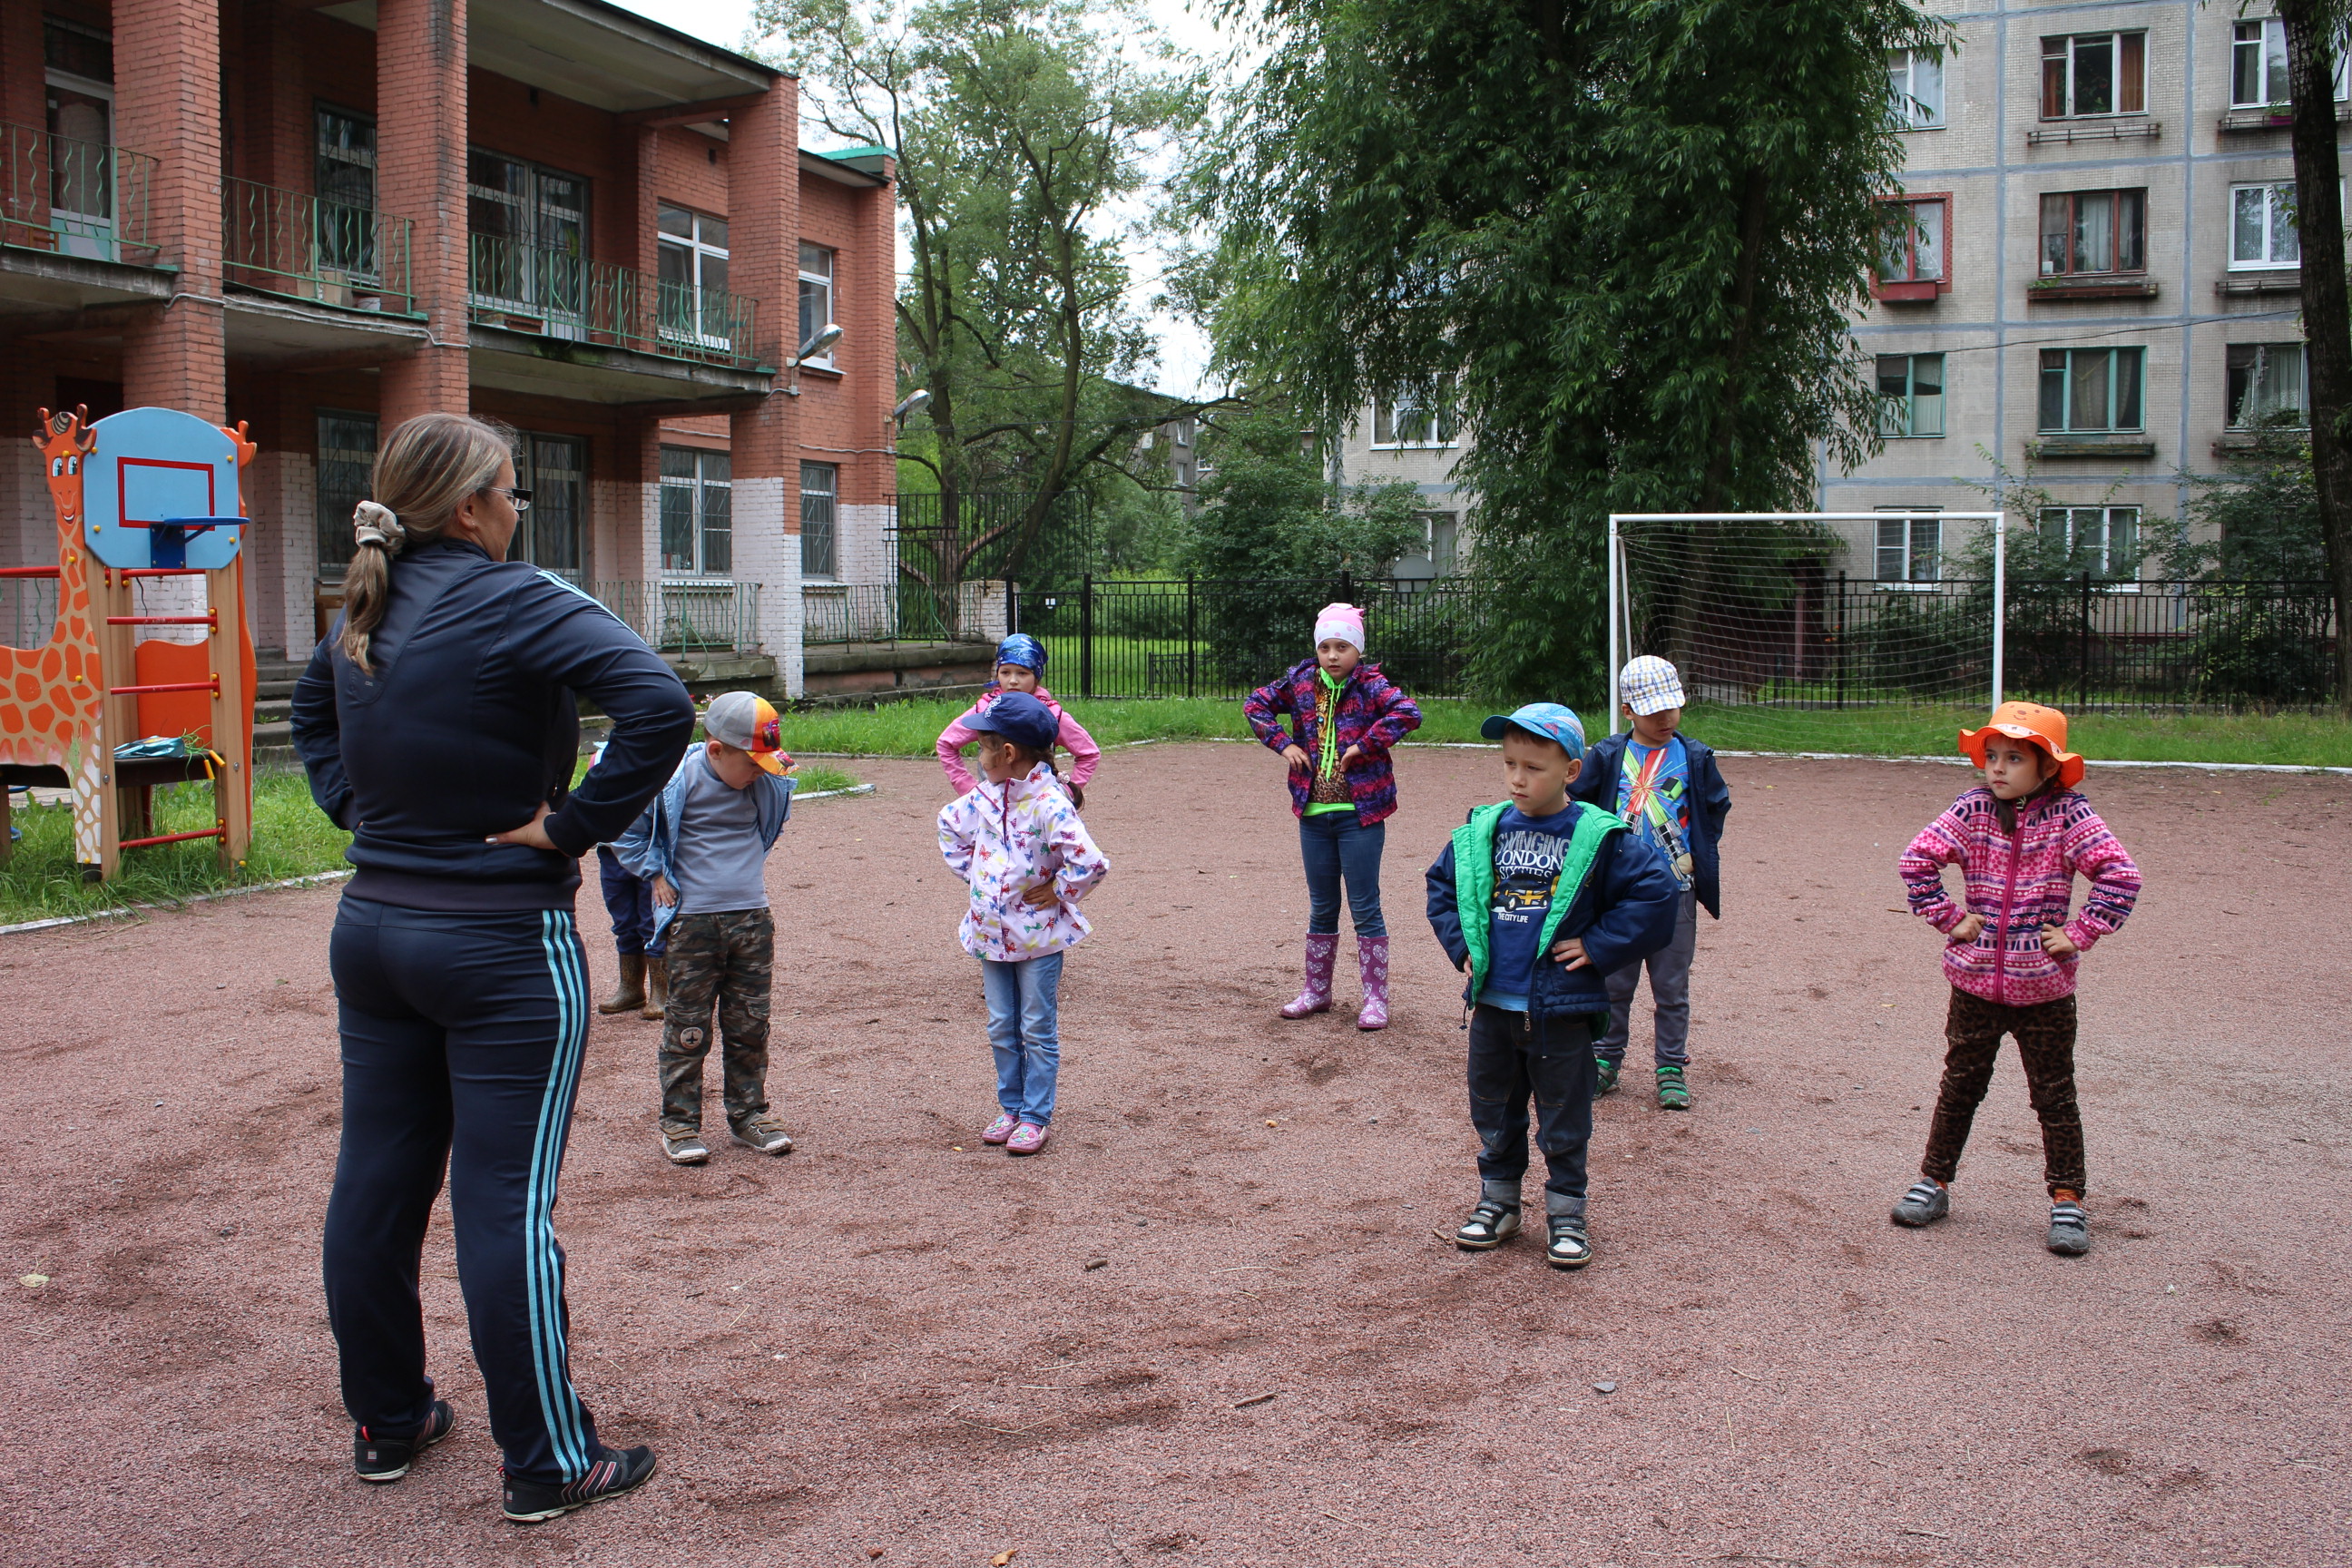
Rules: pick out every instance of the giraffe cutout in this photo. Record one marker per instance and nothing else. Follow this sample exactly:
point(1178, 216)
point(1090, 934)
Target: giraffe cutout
point(51, 696)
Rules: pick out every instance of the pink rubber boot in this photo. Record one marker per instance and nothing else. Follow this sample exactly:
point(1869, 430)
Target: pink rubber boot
point(1373, 964)
point(1322, 953)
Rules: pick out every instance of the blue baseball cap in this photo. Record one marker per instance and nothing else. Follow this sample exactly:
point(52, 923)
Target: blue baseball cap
point(1547, 721)
point(1022, 720)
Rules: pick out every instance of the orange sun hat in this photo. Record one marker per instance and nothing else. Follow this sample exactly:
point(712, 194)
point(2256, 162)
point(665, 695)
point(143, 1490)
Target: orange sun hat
point(2032, 722)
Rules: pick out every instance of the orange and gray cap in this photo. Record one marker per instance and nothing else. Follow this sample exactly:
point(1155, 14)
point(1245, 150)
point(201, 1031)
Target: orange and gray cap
point(745, 720)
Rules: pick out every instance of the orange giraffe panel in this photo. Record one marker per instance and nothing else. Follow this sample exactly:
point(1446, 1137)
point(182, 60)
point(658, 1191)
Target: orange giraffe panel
point(52, 718)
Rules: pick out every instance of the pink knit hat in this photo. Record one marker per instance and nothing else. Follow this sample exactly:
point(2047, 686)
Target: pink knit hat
point(1345, 622)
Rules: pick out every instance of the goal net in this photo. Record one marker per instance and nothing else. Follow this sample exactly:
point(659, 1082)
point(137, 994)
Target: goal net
point(1872, 632)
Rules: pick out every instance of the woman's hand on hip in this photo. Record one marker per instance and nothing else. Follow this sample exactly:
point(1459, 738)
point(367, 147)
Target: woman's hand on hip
point(531, 835)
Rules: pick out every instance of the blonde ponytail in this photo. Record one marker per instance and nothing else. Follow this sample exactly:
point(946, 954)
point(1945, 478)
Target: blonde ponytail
point(425, 472)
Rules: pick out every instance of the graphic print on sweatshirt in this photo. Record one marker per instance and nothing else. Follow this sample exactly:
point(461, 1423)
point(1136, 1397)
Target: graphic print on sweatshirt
point(1528, 855)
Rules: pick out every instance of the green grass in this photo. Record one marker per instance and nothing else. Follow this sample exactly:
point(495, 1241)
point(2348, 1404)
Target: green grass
point(290, 838)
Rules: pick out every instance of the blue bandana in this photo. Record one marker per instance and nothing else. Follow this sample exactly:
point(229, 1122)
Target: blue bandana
point(1023, 649)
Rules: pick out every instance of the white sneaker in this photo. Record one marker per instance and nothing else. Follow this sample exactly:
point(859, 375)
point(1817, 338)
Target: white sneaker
point(685, 1148)
point(764, 1135)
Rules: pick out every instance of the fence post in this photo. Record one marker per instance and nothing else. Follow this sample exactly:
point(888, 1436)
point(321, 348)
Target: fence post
point(2083, 652)
point(1346, 586)
point(1840, 641)
point(1087, 635)
point(1192, 643)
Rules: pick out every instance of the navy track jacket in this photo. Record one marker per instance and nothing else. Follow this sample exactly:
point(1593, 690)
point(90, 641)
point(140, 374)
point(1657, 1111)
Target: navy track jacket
point(1710, 803)
point(469, 722)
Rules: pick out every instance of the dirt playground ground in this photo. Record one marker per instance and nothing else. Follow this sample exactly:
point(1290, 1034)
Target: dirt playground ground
point(881, 1350)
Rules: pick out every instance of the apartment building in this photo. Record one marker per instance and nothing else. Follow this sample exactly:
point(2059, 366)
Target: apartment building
point(2090, 275)
point(1418, 442)
point(325, 219)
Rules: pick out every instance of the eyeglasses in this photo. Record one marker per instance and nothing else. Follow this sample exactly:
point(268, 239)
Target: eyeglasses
point(518, 494)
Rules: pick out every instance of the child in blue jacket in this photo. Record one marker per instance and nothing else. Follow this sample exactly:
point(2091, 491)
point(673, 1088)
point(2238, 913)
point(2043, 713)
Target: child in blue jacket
point(1558, 895)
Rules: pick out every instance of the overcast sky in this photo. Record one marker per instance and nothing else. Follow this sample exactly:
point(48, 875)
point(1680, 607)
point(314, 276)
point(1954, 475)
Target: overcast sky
point(1182, 350)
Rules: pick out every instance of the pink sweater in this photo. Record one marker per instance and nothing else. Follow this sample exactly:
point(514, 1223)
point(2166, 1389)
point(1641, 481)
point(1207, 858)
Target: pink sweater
point(1085, 755)
point(2020, 882)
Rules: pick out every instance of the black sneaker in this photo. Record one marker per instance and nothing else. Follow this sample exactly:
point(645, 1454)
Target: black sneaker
point(616, 1470)
point(1571, 1245)
point(378, 1457)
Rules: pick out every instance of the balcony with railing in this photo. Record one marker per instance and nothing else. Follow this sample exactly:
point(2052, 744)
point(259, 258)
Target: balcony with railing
point(285, 243)
point(559, 294)
point(74, 198)
point(701, 615)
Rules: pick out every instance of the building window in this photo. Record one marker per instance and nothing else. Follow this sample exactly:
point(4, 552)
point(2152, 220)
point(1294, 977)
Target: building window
point(820, 548)
point(2263, 232)
point(344, 180)
point(2258, 66)
point(2266, 386)
point(2093, 231)
point(1910, 548)
point(1413, 419)
point(691, 261)
point(697, 512)
point(554, 469)
point(81, 94)
point(1914, 88)
point(2101, 540)
point(817, 296)
point(2094, 73)
point(1911, 395)
point(2090, 389)
point(530, 235)
point(346, 475)
point(1915, 236)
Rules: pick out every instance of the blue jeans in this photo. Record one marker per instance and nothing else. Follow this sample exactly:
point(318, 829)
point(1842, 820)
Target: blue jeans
point(1024, 1030)
point(629, 900)
point(1337, 845)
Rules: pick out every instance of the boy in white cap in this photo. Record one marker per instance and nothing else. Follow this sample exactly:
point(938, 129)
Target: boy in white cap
point(1668, 789)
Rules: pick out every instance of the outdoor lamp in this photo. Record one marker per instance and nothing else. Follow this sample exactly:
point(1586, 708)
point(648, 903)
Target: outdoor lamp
point(913, 403)
point(826, 336)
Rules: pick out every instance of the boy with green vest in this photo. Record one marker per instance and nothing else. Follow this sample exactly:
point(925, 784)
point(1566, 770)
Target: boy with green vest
point(1557, 895)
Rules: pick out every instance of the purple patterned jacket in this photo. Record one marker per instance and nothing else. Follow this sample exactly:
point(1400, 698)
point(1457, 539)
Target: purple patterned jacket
point(1373, 713)
point(2019, 883)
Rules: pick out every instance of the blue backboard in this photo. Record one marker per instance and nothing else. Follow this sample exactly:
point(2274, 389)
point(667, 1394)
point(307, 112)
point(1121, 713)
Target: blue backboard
point(152, 467)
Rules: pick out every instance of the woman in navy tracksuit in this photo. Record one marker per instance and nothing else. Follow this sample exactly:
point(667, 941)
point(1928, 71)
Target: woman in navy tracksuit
point(437, 724)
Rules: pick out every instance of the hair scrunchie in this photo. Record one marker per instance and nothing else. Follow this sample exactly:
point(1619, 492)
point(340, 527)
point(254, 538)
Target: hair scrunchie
point(374, 524)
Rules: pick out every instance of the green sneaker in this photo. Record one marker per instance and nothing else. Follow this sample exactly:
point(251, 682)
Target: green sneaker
point(1672, 1093)
point(1605, 1076)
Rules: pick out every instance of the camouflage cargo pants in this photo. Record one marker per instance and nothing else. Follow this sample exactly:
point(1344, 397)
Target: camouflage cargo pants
point(728, 959)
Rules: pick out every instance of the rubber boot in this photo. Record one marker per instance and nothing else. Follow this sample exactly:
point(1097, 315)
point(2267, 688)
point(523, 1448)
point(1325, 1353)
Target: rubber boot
point(657, 986)
point(1372, 966)
point(1322, 953)
point(629, 990)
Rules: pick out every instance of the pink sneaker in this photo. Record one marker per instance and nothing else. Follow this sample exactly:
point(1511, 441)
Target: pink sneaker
point(1000, 1129)
point(1028, 1139)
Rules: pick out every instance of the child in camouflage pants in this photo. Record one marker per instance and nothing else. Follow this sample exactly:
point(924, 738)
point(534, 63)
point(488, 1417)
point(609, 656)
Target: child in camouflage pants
point(703, 843)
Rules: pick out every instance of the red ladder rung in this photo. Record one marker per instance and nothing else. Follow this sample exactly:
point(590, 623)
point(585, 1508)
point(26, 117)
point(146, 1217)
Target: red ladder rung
point(219, 832)
point(212, 686)
point(212, 620)
point(160, 572)
point(29, 572)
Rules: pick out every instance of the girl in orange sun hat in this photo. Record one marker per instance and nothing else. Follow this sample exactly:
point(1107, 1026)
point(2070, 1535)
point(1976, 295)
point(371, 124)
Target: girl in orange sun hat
point(2018, 839)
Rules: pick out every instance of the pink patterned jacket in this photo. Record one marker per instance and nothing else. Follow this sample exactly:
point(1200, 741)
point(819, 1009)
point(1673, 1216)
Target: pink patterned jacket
point(1085, 755)
point(2020, 882)
point(1005, 839)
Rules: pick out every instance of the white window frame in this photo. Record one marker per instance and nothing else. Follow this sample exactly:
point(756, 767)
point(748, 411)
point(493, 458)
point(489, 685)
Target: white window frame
point(2103, 572)
point(2264, 38)
point(1389, 413)
point(1907, 72)
point(2229, 415)
point(2278, 217)
point(2073, 42)
point(696, 249)
point(2067, 399)
point(702, 489)
point(1909, 400)
point(1918, 542)
point(824, 281)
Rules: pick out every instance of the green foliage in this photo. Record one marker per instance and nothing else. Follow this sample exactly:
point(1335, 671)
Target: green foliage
point(2258, 523)
point(1630, 233)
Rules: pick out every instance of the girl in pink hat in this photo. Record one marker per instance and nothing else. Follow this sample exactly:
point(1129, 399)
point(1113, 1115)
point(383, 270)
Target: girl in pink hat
point(1333, 718)
point(2020, 838)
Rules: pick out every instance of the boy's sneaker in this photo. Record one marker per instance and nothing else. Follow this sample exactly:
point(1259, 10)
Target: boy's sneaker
point(1571, 1247)
point(1925, 1204)
point(1604, 1079)
point(616, 1470)
point(1000, 1129)
point(684, 1148)
point(2069, 1229)
point(763, 1133)
point(1674, 1094)
point(1490, 1224)
point(1028, 1139)
point(380, 1459)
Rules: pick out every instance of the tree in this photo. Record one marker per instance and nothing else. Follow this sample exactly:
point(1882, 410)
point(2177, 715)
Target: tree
point(2259, 522)
point(1632, 233)
point(1022, 134)
point(2314, 33)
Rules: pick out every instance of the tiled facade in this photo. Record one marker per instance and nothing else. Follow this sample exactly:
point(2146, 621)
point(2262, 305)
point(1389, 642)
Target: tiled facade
point(324, 220)
point(1388, 444)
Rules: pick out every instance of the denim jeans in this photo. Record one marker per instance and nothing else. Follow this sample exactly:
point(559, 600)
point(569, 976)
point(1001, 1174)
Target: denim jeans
point(629, 900)
point(1513, 1059)
point(1337, 845)
point(1024, 1030)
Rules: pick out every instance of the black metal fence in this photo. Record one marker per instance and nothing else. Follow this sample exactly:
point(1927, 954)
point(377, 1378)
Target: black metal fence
point(1201, 637)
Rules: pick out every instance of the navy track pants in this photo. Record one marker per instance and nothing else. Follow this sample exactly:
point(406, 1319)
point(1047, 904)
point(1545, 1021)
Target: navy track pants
point(462, 1035)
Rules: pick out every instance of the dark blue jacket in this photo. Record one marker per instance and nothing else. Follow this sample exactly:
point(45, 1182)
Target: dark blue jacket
point(1624, 912)
point(1710, 803)
point(469, 722)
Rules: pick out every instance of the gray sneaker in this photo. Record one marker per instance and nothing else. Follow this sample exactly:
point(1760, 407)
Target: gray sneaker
point(684, 1148)
point(765, 1134)
point(2069, 1229)
point(1925, 1204)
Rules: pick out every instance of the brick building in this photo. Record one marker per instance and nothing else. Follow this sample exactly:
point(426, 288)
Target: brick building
point(324, 218)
